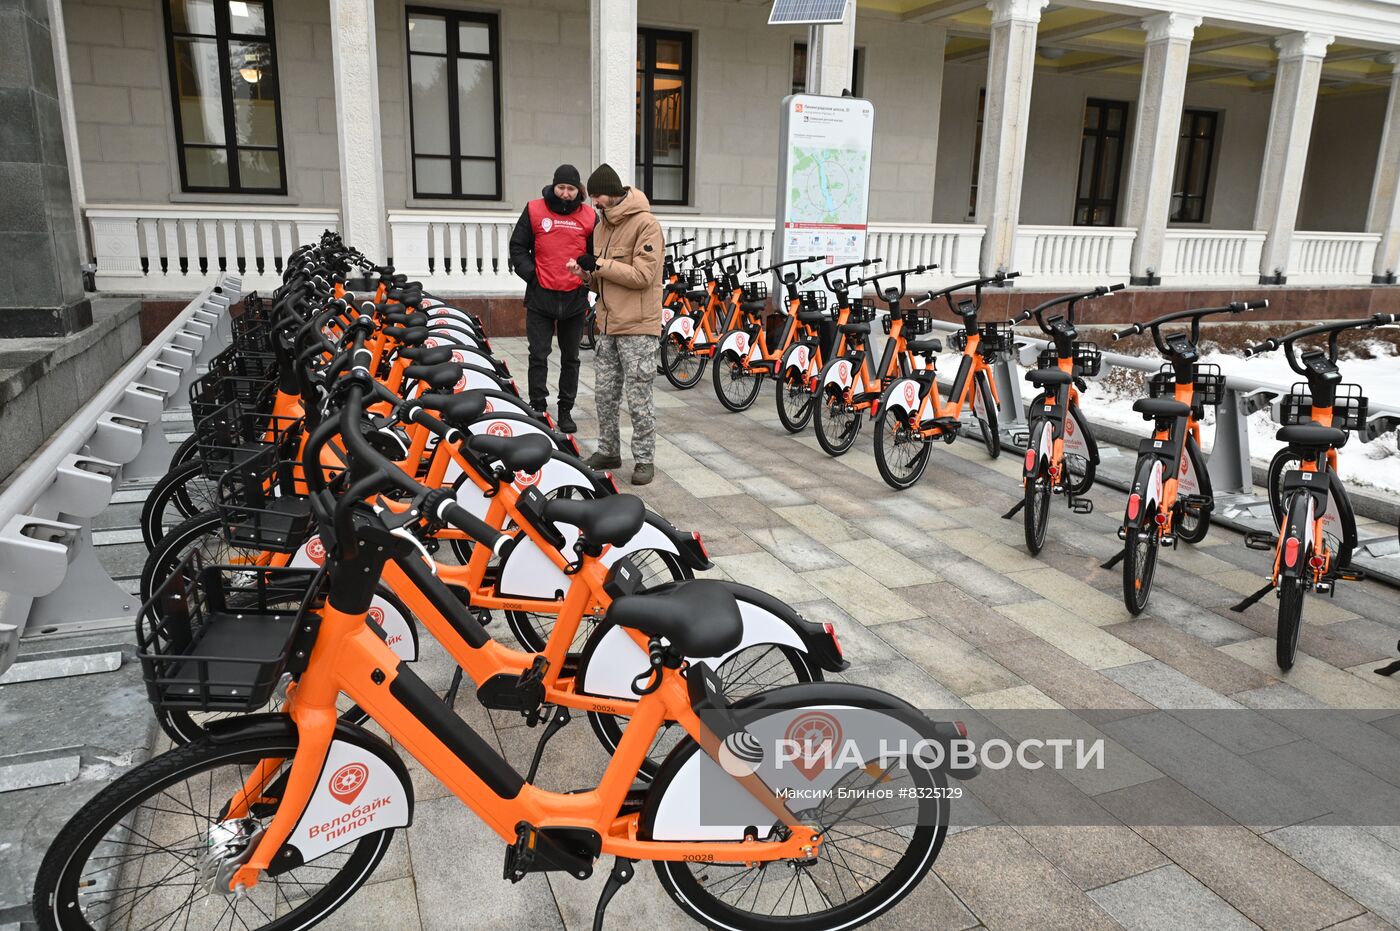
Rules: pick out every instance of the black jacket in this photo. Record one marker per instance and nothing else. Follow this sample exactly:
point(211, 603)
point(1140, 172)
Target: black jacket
point(558, 305)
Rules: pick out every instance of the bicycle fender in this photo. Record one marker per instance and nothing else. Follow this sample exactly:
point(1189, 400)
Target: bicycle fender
point(398, 632)
point(442, 336)
point(560, 471)
point(1144, 495)
point(658, 533)
point(798, 359)
point(1078, 440)
point(1040, 448)
point(528, 572)
point(682, 325)
point(466, 355)
point(364, 787)
point(611, 660)
point(839, 374)
point(1298, 525)
point(740, 343)
point(904, 394)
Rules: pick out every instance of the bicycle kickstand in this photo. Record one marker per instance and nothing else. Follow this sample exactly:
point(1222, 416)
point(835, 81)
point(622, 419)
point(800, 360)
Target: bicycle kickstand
point(451, 697)
point(621, 874)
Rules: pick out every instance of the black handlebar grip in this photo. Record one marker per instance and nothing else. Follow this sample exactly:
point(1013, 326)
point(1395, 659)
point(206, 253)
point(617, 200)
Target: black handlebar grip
point(1007, 275)
point(1384, 319)
point(459, 517)
point(1117, 287)
point(1256, 305)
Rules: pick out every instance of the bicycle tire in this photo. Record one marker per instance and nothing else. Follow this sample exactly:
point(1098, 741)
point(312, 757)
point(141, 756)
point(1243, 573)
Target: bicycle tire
point(888, 428)
point(1290, 618)
point(723, 374)
point(1139, 566)
point(835, 437)
point(179, 495)
point(793, 417)
point(187, 451)
point(692, 887)
point(991, 427)
point(1036, 498)
point(58, 903)
point(682, 367)
point(1284, 460)
point(203, 530)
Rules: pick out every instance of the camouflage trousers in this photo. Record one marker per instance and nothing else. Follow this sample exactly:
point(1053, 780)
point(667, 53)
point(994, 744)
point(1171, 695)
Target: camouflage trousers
point(625, 367)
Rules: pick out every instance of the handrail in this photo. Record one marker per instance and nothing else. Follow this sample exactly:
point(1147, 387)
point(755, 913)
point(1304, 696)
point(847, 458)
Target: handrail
point(47, 509)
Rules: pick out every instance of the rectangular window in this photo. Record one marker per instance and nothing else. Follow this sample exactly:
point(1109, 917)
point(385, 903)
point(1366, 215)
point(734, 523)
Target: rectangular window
point(664, 90)
point(454, 78)
point(223, 79)
point(1195, 160)
point(977, 152)
point(799, 69)
point(1101, 162)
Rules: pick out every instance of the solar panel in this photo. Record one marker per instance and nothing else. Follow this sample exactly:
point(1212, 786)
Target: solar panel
point(807, 11)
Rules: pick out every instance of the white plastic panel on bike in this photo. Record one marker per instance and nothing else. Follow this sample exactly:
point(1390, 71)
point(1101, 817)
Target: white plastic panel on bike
point(799, 359)
point(1044, 445)
point(978, 409)
point(903, 395)
point(741, 344)
point(688, 809)
point(555, 474)
point(617, 660)
point(682, 326)
point(1075, 444)
point(358, 794)
point(840, 373)
point(1186, 481)
point(465, 355)
point(397, 632)
point(1154, 487)
point(527, 572)
point(666, 316)
point(1332, 520)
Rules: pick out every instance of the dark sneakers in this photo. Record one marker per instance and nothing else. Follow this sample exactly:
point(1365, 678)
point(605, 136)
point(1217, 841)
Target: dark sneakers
point(566, 421)
point(643, 473)
point(603, 461)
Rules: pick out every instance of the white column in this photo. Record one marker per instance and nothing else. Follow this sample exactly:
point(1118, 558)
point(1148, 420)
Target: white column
point(67, 115)
point(1010, 70)
point(1160, 100)
point(613, 28)
point(831, 52)
point(1300, 57)
point(357, 126)
point(1384, 215)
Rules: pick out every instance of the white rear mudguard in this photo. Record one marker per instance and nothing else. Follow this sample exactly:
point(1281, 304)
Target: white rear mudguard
point(799, 362)
point(557, 473)
point(398, 635)
point(617, 660)
point(904, 395)
point(741, 344)
point(840, 375)
point(682, 326)
point(526, 572)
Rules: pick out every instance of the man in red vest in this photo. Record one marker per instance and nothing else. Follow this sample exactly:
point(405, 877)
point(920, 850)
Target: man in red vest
point(552, 230)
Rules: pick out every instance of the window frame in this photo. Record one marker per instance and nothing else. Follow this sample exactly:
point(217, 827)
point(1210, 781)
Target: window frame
point(981, 122)
point(1100, 134)
point(223, 36)
point(857, 67)
point(1191, 114)
point(646, 70)
point(453, 18)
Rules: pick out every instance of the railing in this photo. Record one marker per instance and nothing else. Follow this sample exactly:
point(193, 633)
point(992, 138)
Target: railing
point(1068, 255)
point(1211, 257)
point(470, 252)
point(48, 567)
point(153, 249)
point(1331, 258)
point(458, 252)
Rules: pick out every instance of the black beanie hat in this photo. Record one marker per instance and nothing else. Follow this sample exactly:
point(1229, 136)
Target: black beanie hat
point(605, 181)
point(567, 174)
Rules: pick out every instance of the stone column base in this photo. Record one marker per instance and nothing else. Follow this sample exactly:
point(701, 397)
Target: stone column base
point(18, 322)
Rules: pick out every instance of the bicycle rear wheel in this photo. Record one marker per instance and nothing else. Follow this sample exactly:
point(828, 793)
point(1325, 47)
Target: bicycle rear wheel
point(682, 367)
point(1139, 563)
point(135, 856)
point(901, 453)
point(735, 386)
point(837, 423)
point(795, 401)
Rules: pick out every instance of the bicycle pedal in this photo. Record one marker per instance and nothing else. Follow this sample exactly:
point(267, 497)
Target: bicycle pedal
point(1198, 502)
point(1081, 506)
point(865, 397)
point(1021, 439)
point(947, 425)
point(551, 850)
point(1352, 574)
point(1260, 540)
point(523, 692)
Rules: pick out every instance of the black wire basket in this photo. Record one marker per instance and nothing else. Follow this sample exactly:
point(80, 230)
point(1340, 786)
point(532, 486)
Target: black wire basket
point(862, 311)
point(814, 301)
point(230, 435)
point(997, 339)
point(755, 290)
point(1348, 410)
point(1088, 360)
point(263, 503)
point(915, 324)
point(218, 638)
point(1209, 385)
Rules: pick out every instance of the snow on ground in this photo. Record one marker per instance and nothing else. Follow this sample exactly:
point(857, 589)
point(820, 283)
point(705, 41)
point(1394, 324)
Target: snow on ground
point(1375, 464)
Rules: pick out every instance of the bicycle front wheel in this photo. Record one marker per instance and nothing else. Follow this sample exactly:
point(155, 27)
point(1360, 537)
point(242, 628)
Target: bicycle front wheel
point(142, 852)
point(1036, 511)
point(987, 417)
point(181, 493)
point(1139, 563)
point(1290, 618)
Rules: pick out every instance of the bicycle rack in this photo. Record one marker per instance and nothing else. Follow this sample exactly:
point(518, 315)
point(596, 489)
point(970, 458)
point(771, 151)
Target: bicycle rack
point(48, 564)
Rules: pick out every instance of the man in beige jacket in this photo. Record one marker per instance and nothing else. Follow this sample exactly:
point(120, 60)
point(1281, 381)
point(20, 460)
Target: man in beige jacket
point(625, 270)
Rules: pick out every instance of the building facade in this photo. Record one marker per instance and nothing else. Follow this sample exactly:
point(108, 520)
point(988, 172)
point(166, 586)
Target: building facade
point(1175, 142)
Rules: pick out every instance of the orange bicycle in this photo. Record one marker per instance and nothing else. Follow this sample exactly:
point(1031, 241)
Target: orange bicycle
point(912, 415)
point(755, 345)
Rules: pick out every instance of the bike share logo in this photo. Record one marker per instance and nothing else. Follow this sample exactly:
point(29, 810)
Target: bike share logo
point(811, 741)
point(526, 479)
point(666, 315)
point(843, 371)
point(489, 408)
point(799, 357)
point(348, 782)
point(687, 327)
point(741, 342)
point(547, 224)
point(911, 392)
point(316, 551)
point(1185, 464)
point(431, 342)
point(499, 428)
point(1069, 426)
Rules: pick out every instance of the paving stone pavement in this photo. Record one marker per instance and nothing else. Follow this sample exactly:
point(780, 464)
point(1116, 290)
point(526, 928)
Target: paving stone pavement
point(936, 599)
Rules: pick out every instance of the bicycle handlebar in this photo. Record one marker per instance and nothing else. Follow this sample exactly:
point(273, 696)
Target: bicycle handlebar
point(1334, 330)
point(1234, 307)
point(901, 272)
point(973, 283)
point(838, 268)
point(778, 265)
point(700, 252)
point(1070, 299)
